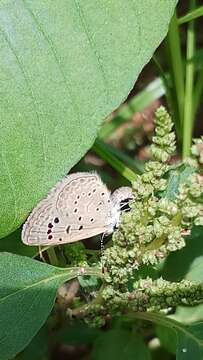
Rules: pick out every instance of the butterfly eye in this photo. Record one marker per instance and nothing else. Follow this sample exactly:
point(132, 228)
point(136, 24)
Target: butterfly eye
point(81, 227)
point(56, 220)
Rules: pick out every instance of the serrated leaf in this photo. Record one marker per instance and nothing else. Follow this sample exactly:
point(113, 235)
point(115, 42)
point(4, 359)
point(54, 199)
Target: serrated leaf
point(65, 65)
point(27, 293)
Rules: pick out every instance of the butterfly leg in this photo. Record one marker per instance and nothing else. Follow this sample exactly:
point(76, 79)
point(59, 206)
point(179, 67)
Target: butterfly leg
point(41, 254)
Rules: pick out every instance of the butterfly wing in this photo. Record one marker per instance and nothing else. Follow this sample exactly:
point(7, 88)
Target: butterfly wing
point(38, 228)
point(77, 208)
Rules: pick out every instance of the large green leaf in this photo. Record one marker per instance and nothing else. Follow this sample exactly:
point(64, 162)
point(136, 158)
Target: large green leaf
point(65, 65)
point(27, 293)
point(190, 343)
point(189, 338)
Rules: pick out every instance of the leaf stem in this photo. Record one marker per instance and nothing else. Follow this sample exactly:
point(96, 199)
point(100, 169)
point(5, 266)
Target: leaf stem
point(191, 15)
point(52, 256)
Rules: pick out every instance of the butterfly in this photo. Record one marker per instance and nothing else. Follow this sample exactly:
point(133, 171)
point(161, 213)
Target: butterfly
point(78, 207)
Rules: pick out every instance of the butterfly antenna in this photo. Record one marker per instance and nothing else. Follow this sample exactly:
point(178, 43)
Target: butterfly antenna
point(102, 251)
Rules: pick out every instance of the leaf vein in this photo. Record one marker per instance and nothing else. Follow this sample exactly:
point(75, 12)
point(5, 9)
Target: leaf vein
point(43, 281)
point(92, 45)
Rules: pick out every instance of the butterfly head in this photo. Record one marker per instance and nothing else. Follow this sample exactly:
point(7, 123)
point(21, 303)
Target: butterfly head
point(120, 203)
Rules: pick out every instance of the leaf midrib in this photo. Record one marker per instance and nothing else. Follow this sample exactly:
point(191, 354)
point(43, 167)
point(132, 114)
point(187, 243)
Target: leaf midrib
point(67, 275)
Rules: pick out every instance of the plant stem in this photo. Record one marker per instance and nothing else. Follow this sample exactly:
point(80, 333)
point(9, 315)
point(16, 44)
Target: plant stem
point(134, 164)
point(165, 78)
point(174, 48)
point(172, 103)
point(188, 107)
point(197, 92)
point(52, 256)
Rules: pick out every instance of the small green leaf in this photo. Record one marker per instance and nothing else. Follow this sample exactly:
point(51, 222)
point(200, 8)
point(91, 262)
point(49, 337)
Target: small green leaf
point(176, 177)
point(88, 282)
point(119, 344)
point(27, 293)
